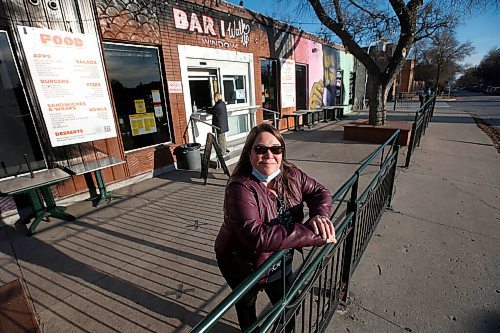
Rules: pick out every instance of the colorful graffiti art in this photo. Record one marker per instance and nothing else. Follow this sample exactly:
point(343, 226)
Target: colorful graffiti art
point(324, 89)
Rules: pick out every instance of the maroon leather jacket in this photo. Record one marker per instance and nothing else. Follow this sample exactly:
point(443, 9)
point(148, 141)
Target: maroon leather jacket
point(247, 238)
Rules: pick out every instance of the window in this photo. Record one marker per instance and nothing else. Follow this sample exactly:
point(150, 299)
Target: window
point(234, 89)
point(17, 131)
point(138, 93)
point(268, 76)
point(203, 85)
point(238, 124)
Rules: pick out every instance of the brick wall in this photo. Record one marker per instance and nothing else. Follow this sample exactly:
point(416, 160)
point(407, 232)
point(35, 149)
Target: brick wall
point(152, 25)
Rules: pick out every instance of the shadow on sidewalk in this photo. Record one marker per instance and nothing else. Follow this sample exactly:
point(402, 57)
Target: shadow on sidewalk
point(146, 259)
point(216, 177)
point(46, 256)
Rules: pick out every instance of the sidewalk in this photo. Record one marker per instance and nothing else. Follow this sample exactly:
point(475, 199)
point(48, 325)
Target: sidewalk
point(146, 263)
point(433, 265)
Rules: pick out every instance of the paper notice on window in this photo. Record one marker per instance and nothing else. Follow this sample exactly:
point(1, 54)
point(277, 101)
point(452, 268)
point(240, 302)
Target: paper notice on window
point(157, 103)
point(140, 106)
point(240, 94)
point(158, 111)
point(143, 123)
point(69, 81)
point(156, 96)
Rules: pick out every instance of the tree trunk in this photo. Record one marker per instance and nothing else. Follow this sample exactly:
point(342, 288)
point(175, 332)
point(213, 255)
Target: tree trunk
point(438, 74)
point(377, 111)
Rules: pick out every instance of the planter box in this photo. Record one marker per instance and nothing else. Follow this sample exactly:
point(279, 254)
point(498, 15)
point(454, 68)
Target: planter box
point(360, 130)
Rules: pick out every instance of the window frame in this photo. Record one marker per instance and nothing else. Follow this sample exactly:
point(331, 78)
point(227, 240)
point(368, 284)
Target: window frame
point(165, 103)
point(233, 79)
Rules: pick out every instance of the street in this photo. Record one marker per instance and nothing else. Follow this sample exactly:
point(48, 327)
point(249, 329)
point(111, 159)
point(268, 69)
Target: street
point(484, 106)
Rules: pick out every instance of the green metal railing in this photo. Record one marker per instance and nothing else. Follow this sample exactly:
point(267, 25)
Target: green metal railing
point(322, 281)
point(422, 118)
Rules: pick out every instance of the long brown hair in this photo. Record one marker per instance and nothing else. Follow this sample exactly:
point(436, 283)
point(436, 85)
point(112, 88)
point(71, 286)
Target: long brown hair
point(283, 186)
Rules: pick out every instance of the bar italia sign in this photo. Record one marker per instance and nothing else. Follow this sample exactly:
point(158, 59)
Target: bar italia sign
point(209, 28)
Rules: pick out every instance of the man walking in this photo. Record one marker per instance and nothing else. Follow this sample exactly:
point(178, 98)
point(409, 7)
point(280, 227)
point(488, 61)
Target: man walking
point(219, 119)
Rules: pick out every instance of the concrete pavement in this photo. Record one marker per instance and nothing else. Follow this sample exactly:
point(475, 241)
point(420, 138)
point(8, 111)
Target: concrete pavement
point(146, 264)
point(433, 265)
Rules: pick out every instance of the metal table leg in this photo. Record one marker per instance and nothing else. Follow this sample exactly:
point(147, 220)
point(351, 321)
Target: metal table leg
point(104, 195)
point(52, 209)
point(39, 212)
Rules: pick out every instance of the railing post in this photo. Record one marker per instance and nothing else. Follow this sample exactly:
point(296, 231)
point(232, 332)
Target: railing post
point(347, 262)
point(411, 144)
point(192, 129)
point(393, 174)
point(424, 124)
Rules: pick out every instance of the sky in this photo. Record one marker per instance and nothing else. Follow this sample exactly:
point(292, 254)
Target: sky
point(482, 30)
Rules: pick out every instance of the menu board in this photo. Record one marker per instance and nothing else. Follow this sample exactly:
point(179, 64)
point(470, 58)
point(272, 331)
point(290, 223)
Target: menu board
point(68, 76)
point(287, 83)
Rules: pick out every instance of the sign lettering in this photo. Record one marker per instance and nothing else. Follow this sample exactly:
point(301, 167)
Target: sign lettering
point(206, 25)
point(59, 40)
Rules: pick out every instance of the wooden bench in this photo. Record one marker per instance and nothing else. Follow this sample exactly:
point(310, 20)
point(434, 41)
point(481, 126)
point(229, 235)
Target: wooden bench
point(333, 112)
point(311, 114)
point(295, 115)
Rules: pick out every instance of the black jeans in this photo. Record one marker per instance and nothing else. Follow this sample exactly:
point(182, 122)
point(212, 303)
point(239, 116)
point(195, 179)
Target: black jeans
point(245, 307)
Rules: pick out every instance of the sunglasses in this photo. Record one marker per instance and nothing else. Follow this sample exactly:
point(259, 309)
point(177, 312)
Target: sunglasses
point(262, 150)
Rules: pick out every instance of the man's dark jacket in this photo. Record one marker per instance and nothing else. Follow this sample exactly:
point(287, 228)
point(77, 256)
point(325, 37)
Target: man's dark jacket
point(219, 113)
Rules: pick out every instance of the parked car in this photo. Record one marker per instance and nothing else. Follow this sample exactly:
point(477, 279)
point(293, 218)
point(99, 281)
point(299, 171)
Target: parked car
point(495, 91)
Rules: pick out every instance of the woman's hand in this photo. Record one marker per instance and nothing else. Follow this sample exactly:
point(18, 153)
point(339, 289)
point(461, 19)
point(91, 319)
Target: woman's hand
point(321, 225)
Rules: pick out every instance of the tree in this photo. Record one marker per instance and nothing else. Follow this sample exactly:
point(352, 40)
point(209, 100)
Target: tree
point(356, 22)
point(489, 68)
point(487, 73)
point(439, 61)
point(469, 78)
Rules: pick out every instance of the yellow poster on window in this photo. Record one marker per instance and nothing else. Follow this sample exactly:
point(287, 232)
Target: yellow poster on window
point(140, 106)
point(141, 124)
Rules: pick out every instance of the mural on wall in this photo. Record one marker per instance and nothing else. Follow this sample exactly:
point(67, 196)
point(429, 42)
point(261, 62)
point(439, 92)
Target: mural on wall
point(311, 53)
point(132, 20)
point(213, 28)
point(325, 88)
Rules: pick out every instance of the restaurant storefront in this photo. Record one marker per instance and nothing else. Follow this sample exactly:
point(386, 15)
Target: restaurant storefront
point(161, 64)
